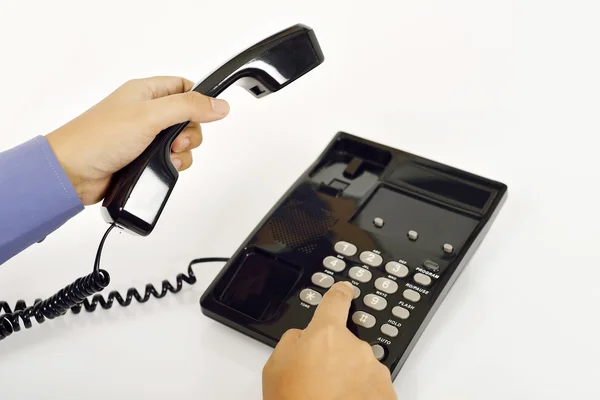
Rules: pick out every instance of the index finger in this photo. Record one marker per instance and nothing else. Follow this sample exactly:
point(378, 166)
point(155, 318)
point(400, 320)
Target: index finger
point(335, 305)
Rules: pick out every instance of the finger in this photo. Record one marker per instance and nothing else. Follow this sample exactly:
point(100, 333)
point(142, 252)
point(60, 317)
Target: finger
point(190, 106)
point(334, 307)
point(182, 161)
point(161, 86)
point(189, 139)
point(287, 342)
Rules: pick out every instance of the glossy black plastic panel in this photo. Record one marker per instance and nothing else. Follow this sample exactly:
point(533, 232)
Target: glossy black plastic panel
point(138, 193)
point(376, 198)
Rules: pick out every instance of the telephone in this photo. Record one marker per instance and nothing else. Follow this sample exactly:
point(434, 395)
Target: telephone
point(399, 227)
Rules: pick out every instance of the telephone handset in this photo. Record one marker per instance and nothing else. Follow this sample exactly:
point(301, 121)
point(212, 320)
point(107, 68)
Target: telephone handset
point(138, 193)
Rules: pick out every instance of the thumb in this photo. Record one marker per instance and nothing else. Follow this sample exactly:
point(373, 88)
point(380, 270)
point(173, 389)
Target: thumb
point(182, 107)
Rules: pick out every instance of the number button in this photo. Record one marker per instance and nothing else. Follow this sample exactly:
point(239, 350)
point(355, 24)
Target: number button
point(334, 264)
point(360, 274)
point(386, 285)
point(311, 297)
point(363, 319)
point(375, 302)
point(396, 269)
point(371, 259)
point(345, 249)
point(322, 280)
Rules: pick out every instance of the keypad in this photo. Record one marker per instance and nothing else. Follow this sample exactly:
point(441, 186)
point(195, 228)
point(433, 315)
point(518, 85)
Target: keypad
point(334, 264)
point(375, 302)
point(386, 285)
point(396, 269)
point(322, 280)
point(360, 274)
point(371, 259)
point(374, 294)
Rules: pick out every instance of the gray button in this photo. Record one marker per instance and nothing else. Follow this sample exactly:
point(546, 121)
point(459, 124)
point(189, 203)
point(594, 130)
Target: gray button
point(310, 297)
point(375, 302)
point(360, 274)
point(389, 330)
point(378, 222)
point(371, 259)
point(363, 319)
point(422, 279)
point(396, 269)
point(323, 280)
point(356, 291)
point(413, 235)
point(345, 248)
point(448, 248)
point(400, 312)
point(378, 352)
point(433, 266)
point(411, 295)
point(386, 285)
point(334, 264)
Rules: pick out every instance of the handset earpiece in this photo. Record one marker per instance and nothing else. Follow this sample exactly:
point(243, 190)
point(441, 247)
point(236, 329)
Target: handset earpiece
point(138, 193)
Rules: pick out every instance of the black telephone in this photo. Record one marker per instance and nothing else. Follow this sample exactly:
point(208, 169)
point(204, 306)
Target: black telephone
point(398, 226)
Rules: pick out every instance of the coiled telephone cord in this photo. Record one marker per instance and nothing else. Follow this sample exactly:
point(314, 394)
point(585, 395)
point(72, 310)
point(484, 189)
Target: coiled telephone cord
point(75, 296)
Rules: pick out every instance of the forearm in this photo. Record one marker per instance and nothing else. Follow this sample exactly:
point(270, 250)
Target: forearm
point(36, 197)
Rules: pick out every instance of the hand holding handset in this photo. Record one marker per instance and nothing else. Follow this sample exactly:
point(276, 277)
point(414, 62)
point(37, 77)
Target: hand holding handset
point(138, 193)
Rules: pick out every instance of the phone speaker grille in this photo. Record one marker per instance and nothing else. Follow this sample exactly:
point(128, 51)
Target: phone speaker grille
point(297, 224)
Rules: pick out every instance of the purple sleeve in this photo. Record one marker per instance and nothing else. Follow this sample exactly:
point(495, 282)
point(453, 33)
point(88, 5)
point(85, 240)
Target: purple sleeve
point(36, 197)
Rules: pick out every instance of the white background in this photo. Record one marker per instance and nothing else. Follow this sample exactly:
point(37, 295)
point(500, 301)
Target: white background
point(505, 89)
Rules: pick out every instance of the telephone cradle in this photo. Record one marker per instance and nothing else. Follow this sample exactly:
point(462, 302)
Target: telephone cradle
point(398, 226)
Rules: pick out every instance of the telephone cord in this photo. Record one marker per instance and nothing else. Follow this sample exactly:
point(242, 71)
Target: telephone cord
point(75, 296)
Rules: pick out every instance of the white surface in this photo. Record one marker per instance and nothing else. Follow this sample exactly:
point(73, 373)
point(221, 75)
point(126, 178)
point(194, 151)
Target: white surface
point(505, 89)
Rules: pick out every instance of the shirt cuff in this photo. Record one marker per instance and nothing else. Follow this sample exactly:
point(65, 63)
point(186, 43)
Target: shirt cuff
point(36, 196)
